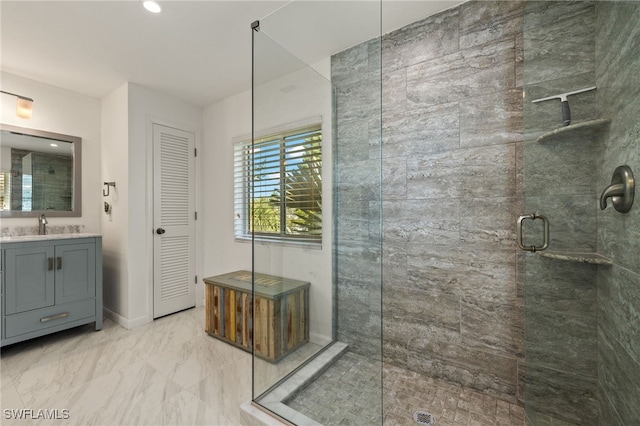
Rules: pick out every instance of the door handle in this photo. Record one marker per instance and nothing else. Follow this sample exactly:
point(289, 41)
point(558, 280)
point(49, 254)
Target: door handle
point(50, 259)
point(520, 236)
point(59, 262)
point(160, 231)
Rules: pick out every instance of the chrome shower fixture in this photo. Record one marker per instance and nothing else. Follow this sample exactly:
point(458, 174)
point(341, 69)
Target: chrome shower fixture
point(566, 111)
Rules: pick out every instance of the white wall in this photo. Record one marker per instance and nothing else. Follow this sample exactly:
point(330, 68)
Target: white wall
point(61, 111)
point(129, 113)
point(115, 227)
point(306, 95)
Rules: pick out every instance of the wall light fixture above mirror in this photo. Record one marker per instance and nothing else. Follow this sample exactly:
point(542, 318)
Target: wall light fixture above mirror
point(40, 172)
point(24, 105)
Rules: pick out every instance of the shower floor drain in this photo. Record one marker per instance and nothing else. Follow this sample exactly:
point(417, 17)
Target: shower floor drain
point(424, 418)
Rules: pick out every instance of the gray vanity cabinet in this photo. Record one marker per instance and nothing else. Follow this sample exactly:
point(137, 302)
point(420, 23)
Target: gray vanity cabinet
point(50, 285)
point(29, 278)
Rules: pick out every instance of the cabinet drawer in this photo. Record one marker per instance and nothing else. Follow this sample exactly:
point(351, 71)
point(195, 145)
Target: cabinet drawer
point(40, 319)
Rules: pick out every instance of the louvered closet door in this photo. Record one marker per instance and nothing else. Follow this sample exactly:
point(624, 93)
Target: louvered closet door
point(174, 222)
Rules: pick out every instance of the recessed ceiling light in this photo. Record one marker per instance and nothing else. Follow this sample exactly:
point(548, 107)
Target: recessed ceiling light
point(152, 6)
point(53, 144)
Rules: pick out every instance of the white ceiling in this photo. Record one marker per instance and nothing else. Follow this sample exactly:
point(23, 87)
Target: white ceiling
point(199, 51)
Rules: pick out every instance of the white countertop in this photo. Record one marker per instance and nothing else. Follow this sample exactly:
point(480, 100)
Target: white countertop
point(20, 238)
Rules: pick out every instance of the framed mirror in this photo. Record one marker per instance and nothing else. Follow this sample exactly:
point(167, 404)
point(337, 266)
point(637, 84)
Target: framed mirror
point(40, 172)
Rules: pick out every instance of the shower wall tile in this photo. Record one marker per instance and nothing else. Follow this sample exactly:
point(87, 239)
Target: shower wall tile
point(417, 307)
point(394, 91)
point(422, 131)
point(559, 40)
point(519, 61)
point(359, 181)
point(418, 221)
point(561, 395)
point(399, 332)
point(491, 373)
point(359, 261)
point(619, 307)
point(357, 101)
point(520, 171)
point(483, 22)
point(494, 327)
point(354, 138)
point(490, 220)
point(567, 167)
point(473, 271)
point(451, 121)
point(560, 286)
point(458, 76)
point(474, 172)
point(491, 119)
point(353, 221)
point(617, 25)
point(521, 266)
point(348, 66)
point(434, 36)
point(608, 414)
point(572, 222)
point(360, 325)
point(394, 178)
point(375, 136)
point(562, 341)
point(619, 377)
point(393, 353)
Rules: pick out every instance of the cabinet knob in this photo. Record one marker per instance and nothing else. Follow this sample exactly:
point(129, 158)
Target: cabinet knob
point(160, 231)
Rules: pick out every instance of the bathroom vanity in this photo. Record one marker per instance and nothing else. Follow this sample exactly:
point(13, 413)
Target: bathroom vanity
point(49, 283)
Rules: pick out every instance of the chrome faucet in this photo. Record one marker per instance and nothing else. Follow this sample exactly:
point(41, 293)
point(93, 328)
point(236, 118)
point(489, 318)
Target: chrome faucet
point(42, 225)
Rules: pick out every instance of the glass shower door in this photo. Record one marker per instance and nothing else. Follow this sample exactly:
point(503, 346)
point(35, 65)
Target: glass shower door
point(582, 292)
point(314, 180)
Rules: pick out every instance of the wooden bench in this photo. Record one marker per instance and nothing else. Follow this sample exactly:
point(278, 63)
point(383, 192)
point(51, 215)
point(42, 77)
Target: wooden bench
point(281, 322)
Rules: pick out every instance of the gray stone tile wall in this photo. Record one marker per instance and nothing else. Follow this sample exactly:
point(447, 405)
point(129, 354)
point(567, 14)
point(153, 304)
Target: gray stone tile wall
point(456, 162)
point(618, 98)
point(357, 196)
point(560, 370)
point(451, 120)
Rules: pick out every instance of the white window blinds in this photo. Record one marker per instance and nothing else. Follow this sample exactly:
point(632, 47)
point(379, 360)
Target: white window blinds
point(278, 186)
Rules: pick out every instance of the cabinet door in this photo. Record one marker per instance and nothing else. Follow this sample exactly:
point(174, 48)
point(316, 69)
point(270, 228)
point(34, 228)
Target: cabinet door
point(29, 278)
point(75, 272)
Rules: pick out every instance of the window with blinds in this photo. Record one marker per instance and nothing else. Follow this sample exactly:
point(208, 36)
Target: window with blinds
point(278, 187)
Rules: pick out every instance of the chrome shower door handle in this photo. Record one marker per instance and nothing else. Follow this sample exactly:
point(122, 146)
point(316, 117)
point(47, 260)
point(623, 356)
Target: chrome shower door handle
point(520, 234)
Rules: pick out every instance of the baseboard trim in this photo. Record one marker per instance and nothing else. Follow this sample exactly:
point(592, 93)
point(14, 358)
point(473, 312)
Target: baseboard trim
point(124, 322)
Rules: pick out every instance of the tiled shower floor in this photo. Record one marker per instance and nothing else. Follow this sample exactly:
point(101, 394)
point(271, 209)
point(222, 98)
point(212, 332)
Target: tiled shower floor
point(348, 394)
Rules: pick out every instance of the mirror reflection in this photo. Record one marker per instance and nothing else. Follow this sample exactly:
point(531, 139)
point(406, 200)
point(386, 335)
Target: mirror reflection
point(39, 173)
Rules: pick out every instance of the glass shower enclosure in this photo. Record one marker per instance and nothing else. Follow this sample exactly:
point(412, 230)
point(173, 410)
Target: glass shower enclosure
point(582, 293)
point(315, 224)
point(408, 261)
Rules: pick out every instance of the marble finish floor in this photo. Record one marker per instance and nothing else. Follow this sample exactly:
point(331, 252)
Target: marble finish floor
point(168, 372)
point(348, 393)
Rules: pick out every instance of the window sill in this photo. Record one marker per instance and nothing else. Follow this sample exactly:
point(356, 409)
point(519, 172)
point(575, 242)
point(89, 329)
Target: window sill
point(306, 245)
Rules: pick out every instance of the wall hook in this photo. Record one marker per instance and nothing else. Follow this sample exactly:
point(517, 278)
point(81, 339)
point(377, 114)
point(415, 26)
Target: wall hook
point(108, 184)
